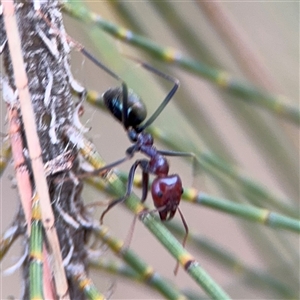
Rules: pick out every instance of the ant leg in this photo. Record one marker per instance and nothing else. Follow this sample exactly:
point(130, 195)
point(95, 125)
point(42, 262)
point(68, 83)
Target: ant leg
point(184, 239)
point(183, 154)
point(93, 59)
point(145, 183)
point(176, 153)
point(114, 75)
point(128, 189)
point(130, 152)
point(98, 172)
point(185, 227)
point(169, 96)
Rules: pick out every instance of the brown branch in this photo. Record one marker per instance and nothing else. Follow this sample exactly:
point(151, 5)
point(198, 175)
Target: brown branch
point(34, 147)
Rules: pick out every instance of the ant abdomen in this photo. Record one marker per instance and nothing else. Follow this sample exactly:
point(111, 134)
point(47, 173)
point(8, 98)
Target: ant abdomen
point(136, 109)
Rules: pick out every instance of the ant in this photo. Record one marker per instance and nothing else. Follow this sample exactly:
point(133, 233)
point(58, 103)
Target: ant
point(128, 108)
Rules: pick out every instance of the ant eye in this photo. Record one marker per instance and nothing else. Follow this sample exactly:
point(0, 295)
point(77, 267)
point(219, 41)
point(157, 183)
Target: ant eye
point(182, 190)
point(159, 194)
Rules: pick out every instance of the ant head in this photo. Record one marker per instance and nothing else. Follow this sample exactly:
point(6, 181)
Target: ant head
point(136, 109)
point(166, 193)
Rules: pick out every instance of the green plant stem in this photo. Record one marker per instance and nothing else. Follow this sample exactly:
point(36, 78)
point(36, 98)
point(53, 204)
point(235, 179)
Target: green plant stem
point(8, 238)
point(209, 160)
point(126, 271)
point(247, 212)
point(223, 257)
point(115, 267)
point(235, 180)
point(173, 246)
point(244, 91)
point(145, 272)
point(275, 248)
point(36, 253)
point(88, 287)
point(174, 21)
point(185, 259)
point(272, 142)
point(117, 188)
point(244, 211)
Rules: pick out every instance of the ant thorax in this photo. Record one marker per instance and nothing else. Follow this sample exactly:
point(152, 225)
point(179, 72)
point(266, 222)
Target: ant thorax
point(133, 135)
point(158, 165)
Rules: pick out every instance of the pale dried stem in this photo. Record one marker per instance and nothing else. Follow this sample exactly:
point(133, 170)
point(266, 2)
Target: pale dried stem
point(24, 188)
point(239, 44)
point(21, 170)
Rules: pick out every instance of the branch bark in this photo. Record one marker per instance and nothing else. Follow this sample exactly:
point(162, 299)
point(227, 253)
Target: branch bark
point(47, 87)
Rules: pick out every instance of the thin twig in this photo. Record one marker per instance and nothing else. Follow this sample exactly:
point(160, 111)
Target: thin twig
point(21, 170)
point(240, 45)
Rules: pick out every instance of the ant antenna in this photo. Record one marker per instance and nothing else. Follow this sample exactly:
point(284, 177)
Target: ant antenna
point(169, 96)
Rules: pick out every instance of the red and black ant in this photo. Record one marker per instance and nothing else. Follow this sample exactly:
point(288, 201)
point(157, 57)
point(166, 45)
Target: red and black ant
point(128, 108)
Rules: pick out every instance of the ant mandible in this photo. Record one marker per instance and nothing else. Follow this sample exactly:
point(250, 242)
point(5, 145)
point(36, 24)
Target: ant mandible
point(128, 108)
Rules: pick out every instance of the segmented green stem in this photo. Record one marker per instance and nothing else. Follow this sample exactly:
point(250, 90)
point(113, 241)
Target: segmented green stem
point(248, 212)
point(7, 239)
point(145, 272)
point(115, 267)
point(88, 287)
point(208, 160)
point(36, 252)
point(278, 105)
point(117, 187)
point(235, 265)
